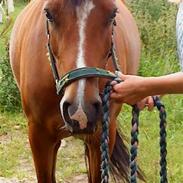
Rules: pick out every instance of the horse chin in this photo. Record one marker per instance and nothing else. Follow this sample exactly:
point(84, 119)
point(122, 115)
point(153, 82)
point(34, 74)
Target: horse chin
point(74, 128)
point(90, 129)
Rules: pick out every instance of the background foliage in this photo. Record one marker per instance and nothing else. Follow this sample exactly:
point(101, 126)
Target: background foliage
point(9, 95)
point(156, 21)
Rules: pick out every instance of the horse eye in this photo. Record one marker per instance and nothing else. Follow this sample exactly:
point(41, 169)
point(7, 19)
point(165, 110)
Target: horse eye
point(48, 15)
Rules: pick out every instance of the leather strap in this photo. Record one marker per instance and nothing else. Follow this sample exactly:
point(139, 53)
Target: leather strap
point(85, 72)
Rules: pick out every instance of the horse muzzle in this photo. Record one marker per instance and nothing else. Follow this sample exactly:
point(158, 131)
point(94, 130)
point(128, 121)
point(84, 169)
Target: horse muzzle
point(81, 119)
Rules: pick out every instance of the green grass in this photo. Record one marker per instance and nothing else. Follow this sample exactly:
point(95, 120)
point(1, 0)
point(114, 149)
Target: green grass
point(15, 153)
point(149, 139)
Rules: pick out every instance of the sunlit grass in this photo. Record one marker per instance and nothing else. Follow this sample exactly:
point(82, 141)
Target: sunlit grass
point(15, 154)
point(148, 157)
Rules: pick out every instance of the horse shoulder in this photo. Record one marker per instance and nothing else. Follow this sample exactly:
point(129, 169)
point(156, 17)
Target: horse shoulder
point(16, 39)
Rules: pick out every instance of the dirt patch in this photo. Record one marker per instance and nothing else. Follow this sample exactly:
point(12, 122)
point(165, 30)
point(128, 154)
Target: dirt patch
point(15, 180)
point(77, 179)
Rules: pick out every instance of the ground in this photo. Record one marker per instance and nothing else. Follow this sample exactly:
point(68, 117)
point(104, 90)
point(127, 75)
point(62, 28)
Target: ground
point(77, 179)
point(13, 144)
point(17, 165)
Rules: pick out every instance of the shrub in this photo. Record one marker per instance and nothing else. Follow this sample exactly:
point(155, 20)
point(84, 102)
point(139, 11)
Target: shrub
point(9, 94)
point(156, 21)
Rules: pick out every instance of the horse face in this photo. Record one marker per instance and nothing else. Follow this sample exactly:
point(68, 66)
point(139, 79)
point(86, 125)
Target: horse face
point(81, 33)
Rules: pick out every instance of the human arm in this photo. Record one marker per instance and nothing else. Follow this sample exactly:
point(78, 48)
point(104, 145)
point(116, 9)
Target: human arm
point(135, 88)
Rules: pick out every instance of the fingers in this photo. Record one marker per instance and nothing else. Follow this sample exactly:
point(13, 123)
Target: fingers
point(146, 102)
point(114, 83)
point(116, 96)
point(150, 103)
point(142, 104)
point(120, 75)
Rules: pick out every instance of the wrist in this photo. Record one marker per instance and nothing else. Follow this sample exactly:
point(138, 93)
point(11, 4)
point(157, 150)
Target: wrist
point(150, 86)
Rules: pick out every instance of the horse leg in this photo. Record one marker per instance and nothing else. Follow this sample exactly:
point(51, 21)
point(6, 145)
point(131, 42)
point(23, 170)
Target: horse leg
point(44, 148)
point(93, 153)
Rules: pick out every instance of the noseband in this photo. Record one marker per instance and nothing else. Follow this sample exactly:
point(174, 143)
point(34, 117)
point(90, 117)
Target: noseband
point(84, 72)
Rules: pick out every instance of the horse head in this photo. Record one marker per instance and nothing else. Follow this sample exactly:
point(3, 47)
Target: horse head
point(81, 33)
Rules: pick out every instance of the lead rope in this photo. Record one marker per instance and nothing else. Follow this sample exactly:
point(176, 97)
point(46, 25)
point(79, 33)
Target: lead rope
point(163, 143)
point(134, 139)
point(134, 144)
point(104, 147)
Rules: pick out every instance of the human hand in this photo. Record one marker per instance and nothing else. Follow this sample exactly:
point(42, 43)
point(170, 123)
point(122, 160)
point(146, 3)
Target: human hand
point(146, 102)
point(131, 90)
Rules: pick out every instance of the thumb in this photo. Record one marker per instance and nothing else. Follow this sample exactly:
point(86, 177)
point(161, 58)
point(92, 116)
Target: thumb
point(120, 75)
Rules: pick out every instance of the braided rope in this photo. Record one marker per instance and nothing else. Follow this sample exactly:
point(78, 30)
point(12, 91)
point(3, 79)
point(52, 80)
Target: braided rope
point(134, 139)
point(134, 144)
point(104, 147)
point(105, 135)
point(163, 143)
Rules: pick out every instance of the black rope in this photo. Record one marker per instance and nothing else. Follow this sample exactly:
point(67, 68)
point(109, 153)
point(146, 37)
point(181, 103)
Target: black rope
point(105, 138)
point(50, 55)
point(134, 144)
point(104, 147)
point(134, 139)
point(105, 135)
point(163, 143)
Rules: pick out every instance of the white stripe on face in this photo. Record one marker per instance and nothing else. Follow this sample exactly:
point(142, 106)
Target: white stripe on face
point(83, 13)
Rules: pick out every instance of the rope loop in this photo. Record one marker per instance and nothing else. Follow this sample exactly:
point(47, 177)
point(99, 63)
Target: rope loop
point(104, 147)
point(134, 138)
point(163, 143)
point(134, 144)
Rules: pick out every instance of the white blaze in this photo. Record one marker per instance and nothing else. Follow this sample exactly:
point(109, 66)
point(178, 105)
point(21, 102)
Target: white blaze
point(83, 13)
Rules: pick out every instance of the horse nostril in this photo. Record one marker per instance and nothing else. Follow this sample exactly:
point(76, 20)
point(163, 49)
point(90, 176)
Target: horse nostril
point(65, 113)
point(66, 106)
point(97, 106)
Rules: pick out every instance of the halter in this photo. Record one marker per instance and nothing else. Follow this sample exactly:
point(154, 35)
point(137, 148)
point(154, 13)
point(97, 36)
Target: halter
point(84, 72)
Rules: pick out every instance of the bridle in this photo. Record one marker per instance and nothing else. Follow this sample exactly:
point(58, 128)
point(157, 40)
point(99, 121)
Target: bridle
point(84, 72)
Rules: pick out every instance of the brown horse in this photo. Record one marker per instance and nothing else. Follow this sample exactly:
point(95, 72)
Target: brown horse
point(80, 36)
